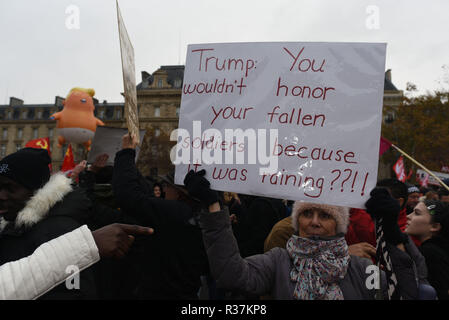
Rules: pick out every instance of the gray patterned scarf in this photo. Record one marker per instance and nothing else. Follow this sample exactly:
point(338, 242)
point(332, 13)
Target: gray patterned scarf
point(318, 267)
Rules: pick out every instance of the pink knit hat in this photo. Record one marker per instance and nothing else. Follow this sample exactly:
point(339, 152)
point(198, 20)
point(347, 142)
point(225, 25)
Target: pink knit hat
point(340, 214)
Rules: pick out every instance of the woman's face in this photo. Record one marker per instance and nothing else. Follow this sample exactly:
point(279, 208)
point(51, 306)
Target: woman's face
point(315, 222)
point(157, 191)
point(419, 222)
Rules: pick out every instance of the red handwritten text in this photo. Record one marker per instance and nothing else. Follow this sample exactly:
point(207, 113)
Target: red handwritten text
point(294, 117)
point(227, 64)
point(230, 112)
point(304, 65)
point(303, 91)
point(315, 153)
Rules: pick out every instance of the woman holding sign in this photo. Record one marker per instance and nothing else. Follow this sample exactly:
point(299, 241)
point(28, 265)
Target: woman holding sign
point(315, 265)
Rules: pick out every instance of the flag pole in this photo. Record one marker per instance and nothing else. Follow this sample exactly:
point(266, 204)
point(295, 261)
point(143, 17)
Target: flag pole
point(424, 168)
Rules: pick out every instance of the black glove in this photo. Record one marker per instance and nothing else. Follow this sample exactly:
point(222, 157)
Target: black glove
point(198, 187)
point(381, 205)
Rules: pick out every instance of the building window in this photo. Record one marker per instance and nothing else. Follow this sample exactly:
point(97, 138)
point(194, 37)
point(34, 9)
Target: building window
point(157, 132)
point(118, 114)
point(50, 133)
point(157, 111)
point(5, 134)
point(35, 133)
point(178, 83)
point(109, 113)
point(177, 111)
point(9, 115)
point(39, 114)
point(18, 146)
point(2, 150)
point(159, 83)
point(19, 133)
point(101, 115)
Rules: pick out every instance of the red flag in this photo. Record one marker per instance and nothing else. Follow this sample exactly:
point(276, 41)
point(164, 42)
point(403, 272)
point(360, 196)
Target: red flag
point(399, 169)
point(42, 143)
point(384, 145)
point(409, 174)
point(423, 179)
point(69, 162)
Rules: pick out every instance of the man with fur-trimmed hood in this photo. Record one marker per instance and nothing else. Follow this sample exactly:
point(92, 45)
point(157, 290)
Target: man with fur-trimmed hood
point(35, 208)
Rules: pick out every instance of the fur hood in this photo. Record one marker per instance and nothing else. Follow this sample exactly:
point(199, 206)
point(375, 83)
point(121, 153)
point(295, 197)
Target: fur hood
point(39, 205)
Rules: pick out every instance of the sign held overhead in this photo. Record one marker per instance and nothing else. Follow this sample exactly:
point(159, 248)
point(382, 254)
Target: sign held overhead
point(286, 120)
point(129, 77)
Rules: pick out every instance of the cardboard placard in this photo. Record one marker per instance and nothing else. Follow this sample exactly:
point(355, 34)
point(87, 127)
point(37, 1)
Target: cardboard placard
point(109, 140)
point(309, 116)
point(129, 77)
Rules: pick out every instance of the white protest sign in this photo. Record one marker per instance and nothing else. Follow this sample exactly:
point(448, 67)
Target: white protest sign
point(129, 77)
point(109, 140)
point(289, 120)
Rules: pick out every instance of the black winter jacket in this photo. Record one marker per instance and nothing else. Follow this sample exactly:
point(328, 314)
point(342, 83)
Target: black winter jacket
point(256, 217)
point(175, 255)
point(436, 253)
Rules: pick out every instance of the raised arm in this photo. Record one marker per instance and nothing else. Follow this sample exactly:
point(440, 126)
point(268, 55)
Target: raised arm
point(133, 194)
point(252, 275)
point(127, 181)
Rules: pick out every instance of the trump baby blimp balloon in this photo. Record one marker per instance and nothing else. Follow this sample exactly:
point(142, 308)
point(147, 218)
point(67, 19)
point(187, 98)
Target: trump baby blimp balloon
point(76, 122)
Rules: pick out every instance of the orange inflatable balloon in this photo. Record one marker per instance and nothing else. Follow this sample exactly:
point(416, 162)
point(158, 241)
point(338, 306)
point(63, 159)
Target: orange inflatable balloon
point(76, 122)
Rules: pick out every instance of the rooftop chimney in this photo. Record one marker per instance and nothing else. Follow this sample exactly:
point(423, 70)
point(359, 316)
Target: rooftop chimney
point(145, 75)
point(388, 75)
point(58, 101)
point(15, 102)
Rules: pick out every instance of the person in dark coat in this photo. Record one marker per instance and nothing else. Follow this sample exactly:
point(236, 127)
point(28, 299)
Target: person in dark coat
point(116, 279)
point(36, 208)
point(429, 221)
point(176, 256)
point(256, 216)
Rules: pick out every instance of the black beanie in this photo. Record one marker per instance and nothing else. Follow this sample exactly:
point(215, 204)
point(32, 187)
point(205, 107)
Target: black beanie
point(28, 167)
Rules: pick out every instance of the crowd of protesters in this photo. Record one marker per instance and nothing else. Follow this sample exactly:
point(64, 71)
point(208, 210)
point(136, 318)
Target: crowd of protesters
point(133, 238)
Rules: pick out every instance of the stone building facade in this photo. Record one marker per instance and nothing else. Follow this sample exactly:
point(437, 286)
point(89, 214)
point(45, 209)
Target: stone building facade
point(20, 123)
point(392, 98)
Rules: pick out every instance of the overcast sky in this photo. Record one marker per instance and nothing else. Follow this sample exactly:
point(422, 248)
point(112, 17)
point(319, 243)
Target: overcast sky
point(41, 57)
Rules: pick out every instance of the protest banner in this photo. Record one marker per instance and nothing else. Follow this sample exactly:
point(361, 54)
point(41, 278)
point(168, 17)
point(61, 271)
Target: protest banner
point(109, 140)
point(129, 77)
point(291, 120)
point(433, 177)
